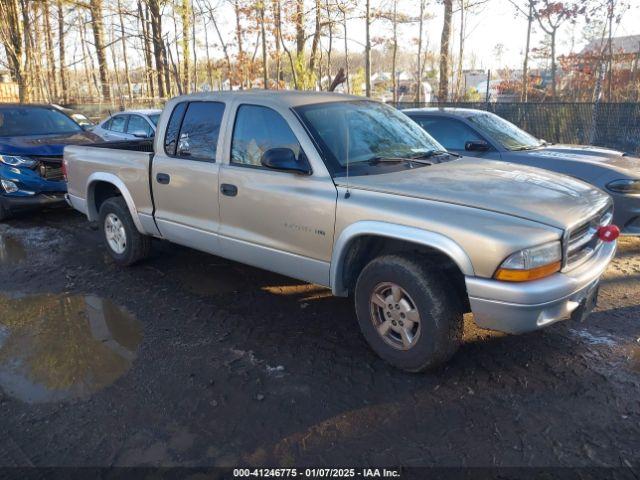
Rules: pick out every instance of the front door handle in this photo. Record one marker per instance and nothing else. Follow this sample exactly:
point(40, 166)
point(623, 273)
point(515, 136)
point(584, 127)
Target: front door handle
point(163, 178)
point(228, 189)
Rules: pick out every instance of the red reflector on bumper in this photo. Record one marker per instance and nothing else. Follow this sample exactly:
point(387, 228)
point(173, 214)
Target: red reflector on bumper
point(608, 233)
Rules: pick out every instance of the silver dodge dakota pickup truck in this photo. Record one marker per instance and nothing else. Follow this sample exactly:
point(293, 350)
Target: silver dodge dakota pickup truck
point(350, 194)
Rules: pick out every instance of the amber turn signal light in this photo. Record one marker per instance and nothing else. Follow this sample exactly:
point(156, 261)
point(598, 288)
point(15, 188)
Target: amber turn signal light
point(508, 275)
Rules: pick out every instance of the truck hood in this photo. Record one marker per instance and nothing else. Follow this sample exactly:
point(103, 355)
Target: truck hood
point(603, 156)
point(44, 145)
point(502, 187)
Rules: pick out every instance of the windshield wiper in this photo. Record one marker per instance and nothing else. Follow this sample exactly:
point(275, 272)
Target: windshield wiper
point(434, 153)
point(525, 147)
point(380, 159)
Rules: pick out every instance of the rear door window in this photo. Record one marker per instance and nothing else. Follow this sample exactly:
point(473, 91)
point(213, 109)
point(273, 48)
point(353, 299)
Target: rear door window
point(139, 124)
point(452, 134)
point(118, 123)
point(200, 129)
point(173, 128)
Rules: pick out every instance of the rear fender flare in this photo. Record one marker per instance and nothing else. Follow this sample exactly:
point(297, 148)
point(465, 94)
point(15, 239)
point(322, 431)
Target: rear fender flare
point(93, 213)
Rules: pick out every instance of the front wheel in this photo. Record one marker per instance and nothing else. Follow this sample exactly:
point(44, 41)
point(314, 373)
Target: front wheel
point(123, 241)
point(410, 316)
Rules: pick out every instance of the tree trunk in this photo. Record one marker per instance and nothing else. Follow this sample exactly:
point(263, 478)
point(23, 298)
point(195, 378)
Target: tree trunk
point(460, 52)
point(241, 60)
point(127, 75)
point(61, 54)
point(186, 33)
point(525, 66)
point(146, 42)
point(346, 49)
point(299, 23)
point(13, 43)
point(330, 37)
point(158, 47)
point(206, 45)
point(394, 53)
point(316, 38)
point(263, 38)
point(91, 79)
point(367, 49)
point(553, 66)
point(223, 44)
point(277, 28)
point(51, 64)
point(195, 54)
point(610, 52)
point(419, 66)
point(95, 8)
point(443, 87)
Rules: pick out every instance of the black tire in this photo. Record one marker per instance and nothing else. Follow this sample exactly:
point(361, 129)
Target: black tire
point(137, 246)
point(440, 311)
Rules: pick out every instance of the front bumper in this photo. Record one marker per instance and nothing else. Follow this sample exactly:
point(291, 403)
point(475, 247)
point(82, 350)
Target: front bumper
point(15, 203)
point(523, 307)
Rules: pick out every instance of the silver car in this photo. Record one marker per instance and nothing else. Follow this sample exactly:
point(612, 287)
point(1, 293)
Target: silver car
point(129, 125)
point(476, 133)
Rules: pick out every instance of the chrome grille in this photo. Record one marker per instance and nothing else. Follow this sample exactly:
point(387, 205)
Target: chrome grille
point(583, 241)
point(50, 168)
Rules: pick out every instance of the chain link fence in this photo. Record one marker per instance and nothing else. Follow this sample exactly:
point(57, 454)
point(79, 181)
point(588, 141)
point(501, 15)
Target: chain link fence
point(613, 125)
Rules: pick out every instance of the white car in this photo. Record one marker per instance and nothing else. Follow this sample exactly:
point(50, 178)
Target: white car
point(129, 125)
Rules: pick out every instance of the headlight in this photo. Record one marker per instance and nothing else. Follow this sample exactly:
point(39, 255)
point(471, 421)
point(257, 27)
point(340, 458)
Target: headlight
point(9, 186)
point(531, 263)
point(628, 186)
point(17, 161)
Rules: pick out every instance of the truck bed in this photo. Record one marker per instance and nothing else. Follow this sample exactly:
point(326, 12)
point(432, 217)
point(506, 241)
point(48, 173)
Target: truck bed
point(123, 164)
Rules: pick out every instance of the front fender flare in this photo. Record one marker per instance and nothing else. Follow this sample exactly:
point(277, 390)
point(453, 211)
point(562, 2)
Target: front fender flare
point(119, 184)
point(418, 236)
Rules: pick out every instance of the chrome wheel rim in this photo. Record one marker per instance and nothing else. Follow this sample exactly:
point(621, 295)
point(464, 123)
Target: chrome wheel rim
point(115, 234)
point(395, 316)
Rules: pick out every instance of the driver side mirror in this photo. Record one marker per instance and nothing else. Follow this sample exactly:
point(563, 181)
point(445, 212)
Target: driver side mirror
point(284, 160)
point(140, 134)
point(476, 146)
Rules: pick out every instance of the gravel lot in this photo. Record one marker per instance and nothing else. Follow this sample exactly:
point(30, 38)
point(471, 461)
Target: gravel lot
point(189, 359)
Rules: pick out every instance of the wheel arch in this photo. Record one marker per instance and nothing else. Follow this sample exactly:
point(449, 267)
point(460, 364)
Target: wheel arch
point(100, 187)
point(360, 232)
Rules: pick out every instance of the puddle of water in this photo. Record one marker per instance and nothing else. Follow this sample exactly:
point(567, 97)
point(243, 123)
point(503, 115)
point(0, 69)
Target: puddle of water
point(60, 347)
point(11, 250)
point(211, 281)
point(592, 339)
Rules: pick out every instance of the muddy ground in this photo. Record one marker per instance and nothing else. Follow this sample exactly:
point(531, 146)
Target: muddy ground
point(189, 359)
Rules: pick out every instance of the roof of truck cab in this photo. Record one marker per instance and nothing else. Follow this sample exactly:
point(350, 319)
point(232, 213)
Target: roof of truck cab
point(453, 111)
point(287, 98)
point(140, 111)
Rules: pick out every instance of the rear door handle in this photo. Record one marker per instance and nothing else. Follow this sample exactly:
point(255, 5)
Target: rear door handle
point(228, 189)
point(163, 178)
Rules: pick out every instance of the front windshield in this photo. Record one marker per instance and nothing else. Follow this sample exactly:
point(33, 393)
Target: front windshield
point(154, 118)
point(361, 131)
point(18, 121)
point(504, 132)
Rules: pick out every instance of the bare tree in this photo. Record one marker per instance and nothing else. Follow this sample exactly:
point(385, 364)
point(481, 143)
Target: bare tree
point(443, 87)
point(551, 16)
point(95, 9)
point(12, 39)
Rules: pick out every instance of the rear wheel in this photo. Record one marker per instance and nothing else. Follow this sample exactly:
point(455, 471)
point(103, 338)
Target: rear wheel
point(123, 241)
point(410, 316)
